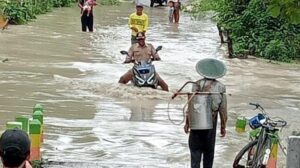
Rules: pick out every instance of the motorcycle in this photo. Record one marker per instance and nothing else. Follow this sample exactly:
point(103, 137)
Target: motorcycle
point(144, 74)
point(160, 2)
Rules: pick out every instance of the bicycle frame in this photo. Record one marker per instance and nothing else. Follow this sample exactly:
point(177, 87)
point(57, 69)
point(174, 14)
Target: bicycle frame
point(267, 140)
point(262, 150)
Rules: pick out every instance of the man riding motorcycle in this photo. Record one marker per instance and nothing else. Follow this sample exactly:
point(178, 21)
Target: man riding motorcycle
point(142, 52)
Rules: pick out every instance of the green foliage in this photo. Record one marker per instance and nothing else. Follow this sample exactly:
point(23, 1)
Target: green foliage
point(109, 2)
point(198, 6)
point(285, 9)
point(2, 5)
point(17, 14)
point(20, 13)
point(268, 29)
point(36, 164)
point(278, 50)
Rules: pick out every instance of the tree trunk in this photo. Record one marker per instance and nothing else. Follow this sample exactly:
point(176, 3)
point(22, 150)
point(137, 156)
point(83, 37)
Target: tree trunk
point(229, 43)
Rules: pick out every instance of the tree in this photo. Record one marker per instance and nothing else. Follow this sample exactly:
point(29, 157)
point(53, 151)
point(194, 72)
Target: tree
point(285, 9)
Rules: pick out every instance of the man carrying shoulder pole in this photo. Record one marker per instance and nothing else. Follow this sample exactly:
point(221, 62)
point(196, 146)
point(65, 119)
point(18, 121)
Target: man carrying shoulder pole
point(203, 110)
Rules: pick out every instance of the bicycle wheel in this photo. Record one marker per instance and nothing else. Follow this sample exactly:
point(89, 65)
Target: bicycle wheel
point(262, 155)
point(244, 158)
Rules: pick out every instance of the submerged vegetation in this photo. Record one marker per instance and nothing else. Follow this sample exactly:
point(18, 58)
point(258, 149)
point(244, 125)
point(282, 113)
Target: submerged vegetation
point(264, 28)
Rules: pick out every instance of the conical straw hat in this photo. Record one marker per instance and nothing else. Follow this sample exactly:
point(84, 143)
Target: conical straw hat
point(211, 68)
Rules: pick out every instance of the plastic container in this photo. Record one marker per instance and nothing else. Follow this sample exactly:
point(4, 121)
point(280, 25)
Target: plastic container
point(240, 124)
point(257, 121)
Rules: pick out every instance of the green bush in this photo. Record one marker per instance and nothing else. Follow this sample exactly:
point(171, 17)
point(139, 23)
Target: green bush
point(278, 50)
point(20, 13)
point(109, 2)
point(17, 14)
point(268, 29)
point(36, 164)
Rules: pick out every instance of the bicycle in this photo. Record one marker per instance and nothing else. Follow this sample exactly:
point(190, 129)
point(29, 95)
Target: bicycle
point(261, 151)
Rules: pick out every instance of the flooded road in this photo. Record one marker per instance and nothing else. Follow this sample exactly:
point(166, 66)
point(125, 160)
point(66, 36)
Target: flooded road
point(92, 121)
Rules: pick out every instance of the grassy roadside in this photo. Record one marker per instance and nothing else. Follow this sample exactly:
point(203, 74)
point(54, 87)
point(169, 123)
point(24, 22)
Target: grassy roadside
point(256, 27)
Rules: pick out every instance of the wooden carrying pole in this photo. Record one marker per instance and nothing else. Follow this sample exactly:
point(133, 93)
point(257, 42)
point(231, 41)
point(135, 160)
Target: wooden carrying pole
point(193, 93)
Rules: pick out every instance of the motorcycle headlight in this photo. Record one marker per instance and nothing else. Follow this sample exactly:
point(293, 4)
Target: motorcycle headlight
point(151, 79)
point(140, 80)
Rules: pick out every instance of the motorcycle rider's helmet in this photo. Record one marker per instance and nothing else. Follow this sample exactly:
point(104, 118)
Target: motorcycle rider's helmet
point(140, 35)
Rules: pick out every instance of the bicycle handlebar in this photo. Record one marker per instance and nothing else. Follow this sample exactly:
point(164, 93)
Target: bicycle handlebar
point(257, 106)
point(269, 121)
point(278, 123)
point(254, 104)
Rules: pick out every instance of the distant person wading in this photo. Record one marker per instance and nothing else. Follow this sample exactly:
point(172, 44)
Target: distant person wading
point(87, 17)
point(174, 8)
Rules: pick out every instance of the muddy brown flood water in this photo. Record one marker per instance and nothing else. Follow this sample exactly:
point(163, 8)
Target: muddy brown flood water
point(91, 121)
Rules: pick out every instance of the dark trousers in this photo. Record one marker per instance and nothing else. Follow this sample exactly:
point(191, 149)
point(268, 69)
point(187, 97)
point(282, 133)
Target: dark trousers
point(202, 143)
point(87, 22)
